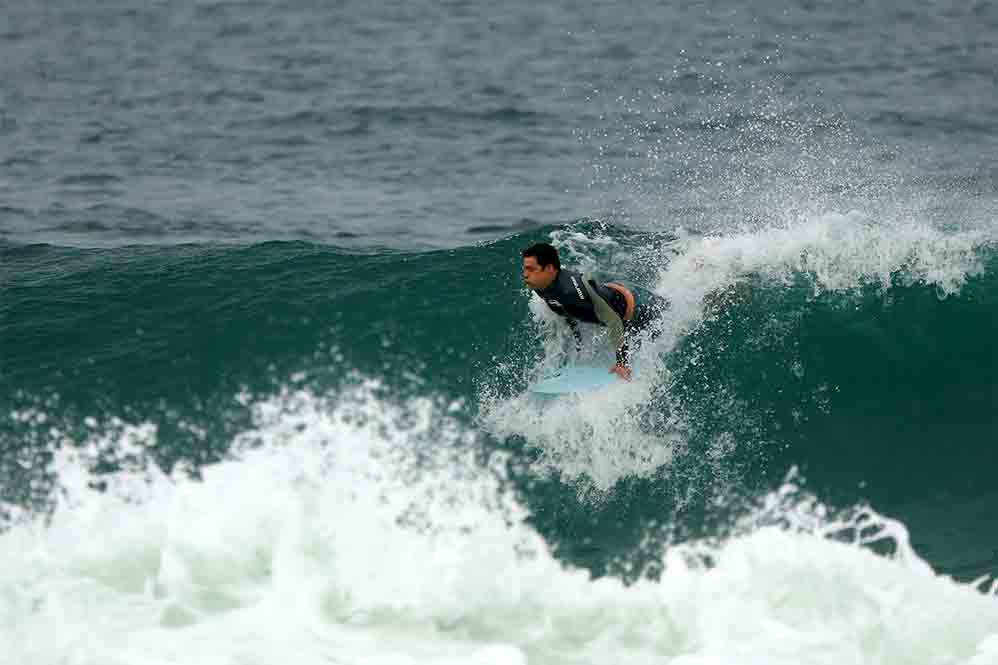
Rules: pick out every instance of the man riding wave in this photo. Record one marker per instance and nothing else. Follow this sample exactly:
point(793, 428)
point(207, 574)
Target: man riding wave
point(622, 307)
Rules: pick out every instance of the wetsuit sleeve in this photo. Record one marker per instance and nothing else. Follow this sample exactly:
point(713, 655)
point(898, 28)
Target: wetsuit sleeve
point(606, 314)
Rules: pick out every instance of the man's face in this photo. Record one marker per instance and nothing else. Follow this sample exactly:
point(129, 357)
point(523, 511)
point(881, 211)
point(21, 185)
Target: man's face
point(535, 276)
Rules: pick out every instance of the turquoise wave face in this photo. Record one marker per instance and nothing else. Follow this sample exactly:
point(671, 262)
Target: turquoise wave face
point(877, 388)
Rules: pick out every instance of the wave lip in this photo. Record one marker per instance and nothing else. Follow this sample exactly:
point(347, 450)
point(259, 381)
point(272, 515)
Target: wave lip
point(839, 251)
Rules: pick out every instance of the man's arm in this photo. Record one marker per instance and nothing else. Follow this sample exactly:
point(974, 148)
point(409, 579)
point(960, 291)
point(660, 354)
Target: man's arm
point(615, 323)
point(623, 366)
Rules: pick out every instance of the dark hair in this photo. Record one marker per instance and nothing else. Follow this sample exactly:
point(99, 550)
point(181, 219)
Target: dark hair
point(545, 254)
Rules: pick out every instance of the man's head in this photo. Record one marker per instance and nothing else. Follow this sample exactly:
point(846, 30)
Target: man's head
point(540, 265)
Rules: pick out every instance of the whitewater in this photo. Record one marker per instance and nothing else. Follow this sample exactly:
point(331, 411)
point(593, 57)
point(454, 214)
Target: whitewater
point(358, 531)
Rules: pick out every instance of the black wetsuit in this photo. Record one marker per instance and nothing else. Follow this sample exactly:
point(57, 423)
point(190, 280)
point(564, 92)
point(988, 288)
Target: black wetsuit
point(568, 297)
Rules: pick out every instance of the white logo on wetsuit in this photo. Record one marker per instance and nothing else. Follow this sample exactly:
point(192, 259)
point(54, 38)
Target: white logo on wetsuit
point(577, 288)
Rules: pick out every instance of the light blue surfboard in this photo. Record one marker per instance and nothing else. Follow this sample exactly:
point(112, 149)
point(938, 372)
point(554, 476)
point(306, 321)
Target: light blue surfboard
point(576, 379)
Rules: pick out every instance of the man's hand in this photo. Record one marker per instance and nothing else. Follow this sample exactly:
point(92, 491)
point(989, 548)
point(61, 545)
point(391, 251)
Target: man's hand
point(623, 371)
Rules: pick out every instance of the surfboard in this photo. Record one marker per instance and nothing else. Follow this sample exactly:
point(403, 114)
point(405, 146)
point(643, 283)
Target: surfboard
point(575, 379)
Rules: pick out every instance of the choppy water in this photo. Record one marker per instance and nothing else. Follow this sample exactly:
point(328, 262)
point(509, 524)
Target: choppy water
point(264, 348)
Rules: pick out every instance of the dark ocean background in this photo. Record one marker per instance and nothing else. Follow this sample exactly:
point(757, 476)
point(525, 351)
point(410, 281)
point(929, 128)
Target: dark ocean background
point(265, 350)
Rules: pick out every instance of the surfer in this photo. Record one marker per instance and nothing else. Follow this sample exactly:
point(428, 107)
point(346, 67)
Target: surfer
point(622, 307)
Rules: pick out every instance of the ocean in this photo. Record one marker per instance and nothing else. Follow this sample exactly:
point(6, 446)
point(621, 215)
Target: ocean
point(265, 349)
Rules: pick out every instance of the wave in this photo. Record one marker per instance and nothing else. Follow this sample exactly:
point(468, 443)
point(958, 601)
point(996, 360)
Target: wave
point(360, 529)
point(857, 351)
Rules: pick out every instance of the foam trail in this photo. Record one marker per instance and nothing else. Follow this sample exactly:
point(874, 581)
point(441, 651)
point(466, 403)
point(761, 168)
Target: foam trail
point(356, 530)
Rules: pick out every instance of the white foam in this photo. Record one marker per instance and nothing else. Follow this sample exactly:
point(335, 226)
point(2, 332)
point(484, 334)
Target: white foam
point(838, 251)
point(361, 531)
